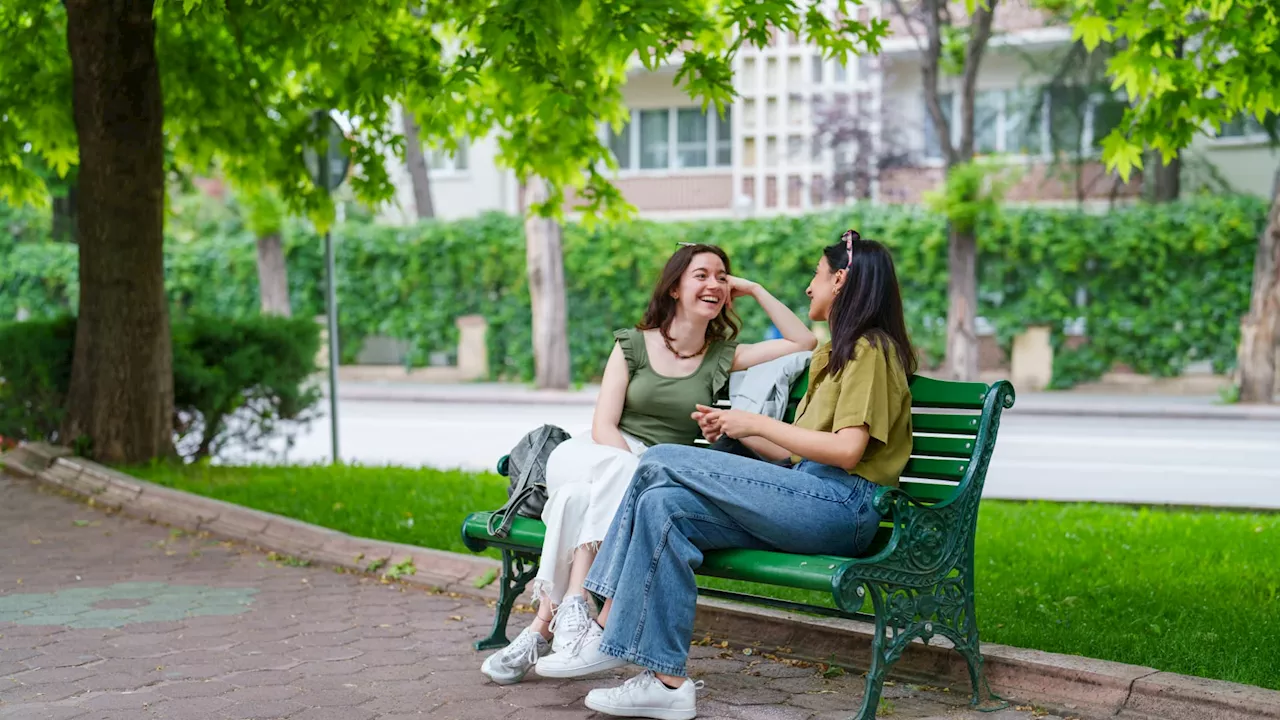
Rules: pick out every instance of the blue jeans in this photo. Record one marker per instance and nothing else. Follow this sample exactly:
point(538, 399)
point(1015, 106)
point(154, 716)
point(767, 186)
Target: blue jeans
point(686, 500)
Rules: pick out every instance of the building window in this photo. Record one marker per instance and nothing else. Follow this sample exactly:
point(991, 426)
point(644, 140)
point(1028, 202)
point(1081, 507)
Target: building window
point(1246, 126)
point(841, 73)
point(674, 138)
point(655, 139)
point(444, 162)
point(620, 145)
point(1062, 119)
point(817, 69)
point(1079, 118)
point(692, 133)
point(723, 135)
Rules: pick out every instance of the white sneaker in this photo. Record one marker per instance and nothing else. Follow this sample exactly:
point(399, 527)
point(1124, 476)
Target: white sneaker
point(645, 696)
point(571, 620)
point(510, 664)
point(581, 656)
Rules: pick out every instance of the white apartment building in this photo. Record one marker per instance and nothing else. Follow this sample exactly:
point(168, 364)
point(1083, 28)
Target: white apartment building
point(772, 152)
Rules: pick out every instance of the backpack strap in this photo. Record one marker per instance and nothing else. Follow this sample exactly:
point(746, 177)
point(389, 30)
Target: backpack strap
point(499, 524)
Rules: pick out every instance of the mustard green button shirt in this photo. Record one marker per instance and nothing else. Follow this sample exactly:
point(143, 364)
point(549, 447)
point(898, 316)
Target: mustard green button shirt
point(870, 390)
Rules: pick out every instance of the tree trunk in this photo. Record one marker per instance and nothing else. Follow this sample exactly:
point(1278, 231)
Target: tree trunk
point(545, 258)
point(1260, 329)
point(273, 276)
point(962, 294)
point(121, 394)
point(64, 215)
point(417, 163)
point(1166, 180)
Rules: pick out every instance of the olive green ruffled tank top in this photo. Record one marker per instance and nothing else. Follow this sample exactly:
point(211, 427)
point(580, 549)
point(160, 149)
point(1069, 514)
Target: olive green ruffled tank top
point(658, 408)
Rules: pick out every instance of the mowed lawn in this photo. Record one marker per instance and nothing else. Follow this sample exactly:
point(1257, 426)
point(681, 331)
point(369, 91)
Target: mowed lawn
point(1187, 591)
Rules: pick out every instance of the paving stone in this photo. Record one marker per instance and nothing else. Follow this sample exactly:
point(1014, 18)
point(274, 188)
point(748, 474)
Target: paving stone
point(194, 688)
point(120, 701)
point(474, 710)
point(261, 710)
point(749, 696)
point(332, 713)
point(46, 712)
point(261, 693)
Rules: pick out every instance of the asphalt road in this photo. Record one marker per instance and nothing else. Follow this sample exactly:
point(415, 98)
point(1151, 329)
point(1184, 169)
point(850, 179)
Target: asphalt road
point(1176, 461)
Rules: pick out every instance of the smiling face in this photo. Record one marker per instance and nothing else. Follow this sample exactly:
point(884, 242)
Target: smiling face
point(703, 288)
point(823, 289)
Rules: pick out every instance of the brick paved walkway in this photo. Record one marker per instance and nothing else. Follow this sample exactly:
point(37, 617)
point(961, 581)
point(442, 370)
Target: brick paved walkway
point(105, 618)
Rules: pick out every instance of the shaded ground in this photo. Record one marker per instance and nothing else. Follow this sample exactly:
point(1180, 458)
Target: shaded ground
point(110, 618)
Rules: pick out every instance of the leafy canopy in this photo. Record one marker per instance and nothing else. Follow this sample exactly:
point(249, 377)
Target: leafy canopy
point(1229, 65)
point(241, 77)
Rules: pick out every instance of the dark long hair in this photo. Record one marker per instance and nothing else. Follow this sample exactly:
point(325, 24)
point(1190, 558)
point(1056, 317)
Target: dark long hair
point(869, 304)
point(662, 307)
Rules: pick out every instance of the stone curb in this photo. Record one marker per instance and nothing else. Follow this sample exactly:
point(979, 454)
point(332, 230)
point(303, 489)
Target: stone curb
point(1026, 406)
point(1081, 687)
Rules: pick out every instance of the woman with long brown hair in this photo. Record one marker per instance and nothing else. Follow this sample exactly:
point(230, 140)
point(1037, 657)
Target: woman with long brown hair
point(679, 356)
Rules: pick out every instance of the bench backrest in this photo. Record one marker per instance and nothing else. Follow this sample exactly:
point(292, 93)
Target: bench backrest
point(946, 419)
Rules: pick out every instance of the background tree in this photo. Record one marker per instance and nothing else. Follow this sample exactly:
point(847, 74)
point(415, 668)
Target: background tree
point(1188, 67)
point(415, 160)
point(860, 153)
point(264, 214)
point(954, 41)
point(110, 85)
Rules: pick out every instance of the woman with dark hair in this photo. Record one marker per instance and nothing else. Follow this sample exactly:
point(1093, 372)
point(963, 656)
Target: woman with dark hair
point(679, 356)
point(852, 434)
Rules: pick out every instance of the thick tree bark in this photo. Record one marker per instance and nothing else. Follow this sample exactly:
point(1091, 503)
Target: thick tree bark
point(273, 276)
point(417, 163)
point(545, 258)
point(121, 394)
point(962, 294)
point(1260, 329)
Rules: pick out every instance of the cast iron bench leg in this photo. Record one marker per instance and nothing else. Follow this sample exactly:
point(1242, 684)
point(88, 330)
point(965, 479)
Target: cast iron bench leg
point(517, 571)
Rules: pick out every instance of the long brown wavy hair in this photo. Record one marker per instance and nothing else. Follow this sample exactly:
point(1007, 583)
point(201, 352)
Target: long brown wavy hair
point(662, 307)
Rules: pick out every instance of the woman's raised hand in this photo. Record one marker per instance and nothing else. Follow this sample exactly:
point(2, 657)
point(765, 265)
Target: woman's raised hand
point(740, 287)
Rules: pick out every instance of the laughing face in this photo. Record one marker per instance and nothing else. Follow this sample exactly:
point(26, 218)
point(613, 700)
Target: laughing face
point(704, 287)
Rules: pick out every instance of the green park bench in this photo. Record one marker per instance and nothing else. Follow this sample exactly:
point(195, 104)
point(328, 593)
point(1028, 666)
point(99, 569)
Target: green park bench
point(918, 572)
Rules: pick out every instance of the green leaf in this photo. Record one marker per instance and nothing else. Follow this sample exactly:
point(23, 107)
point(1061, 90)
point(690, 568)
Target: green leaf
point(1121, 155)
point(1092, 30)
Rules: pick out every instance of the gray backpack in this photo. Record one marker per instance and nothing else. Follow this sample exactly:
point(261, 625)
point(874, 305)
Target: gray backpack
point(527, 468)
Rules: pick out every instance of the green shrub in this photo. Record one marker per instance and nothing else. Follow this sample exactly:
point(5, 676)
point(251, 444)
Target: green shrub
point(241, 382)
point(238, 381)
point(35, 372)
point(1164, 286)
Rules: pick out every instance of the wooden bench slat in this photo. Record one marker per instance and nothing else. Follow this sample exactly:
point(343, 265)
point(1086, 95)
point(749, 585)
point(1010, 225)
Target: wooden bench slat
point(939, 446)
point(807, 572)
point(949, 424)
point(930, 393)
point(935, 469)
point(928, 492)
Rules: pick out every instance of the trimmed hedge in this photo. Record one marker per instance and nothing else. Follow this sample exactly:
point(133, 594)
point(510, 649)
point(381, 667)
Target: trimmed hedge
point(1156, 287)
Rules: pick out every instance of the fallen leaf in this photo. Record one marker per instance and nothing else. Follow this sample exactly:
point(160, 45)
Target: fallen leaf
point(457, 618)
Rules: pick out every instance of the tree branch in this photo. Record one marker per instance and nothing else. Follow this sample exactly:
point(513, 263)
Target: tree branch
point(979, 34)
point(906, 20)
point(929, 75)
